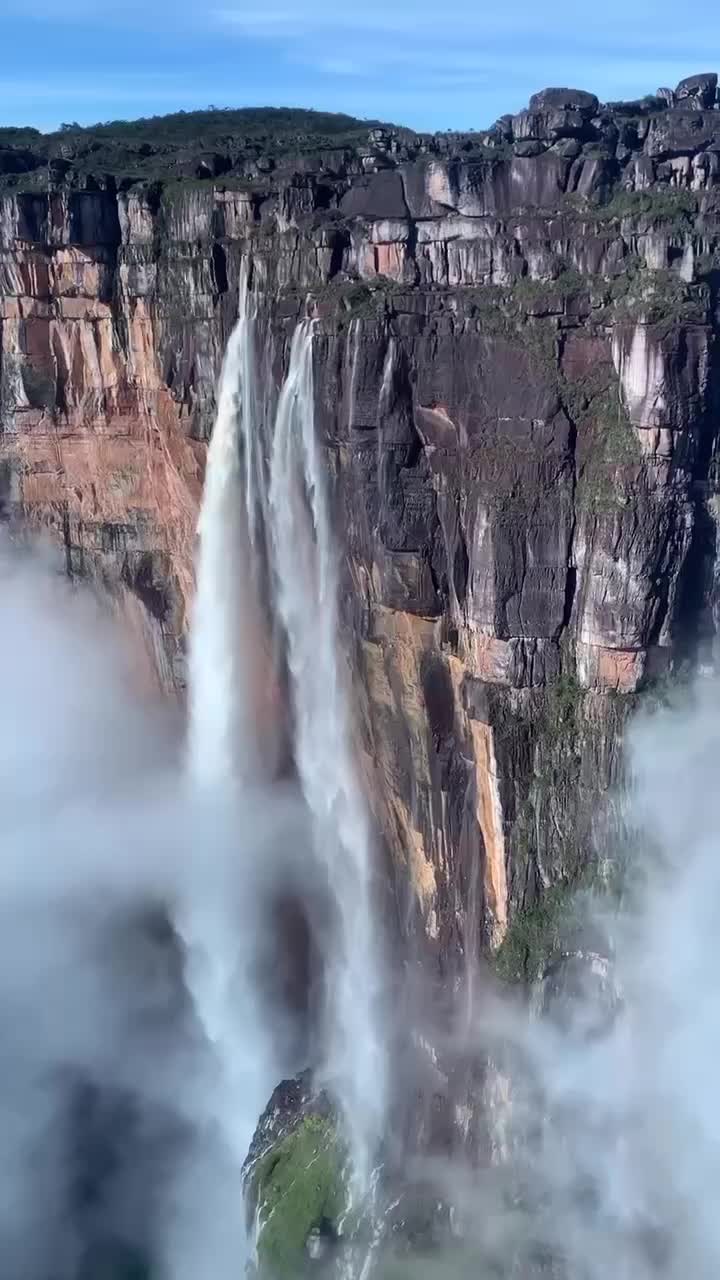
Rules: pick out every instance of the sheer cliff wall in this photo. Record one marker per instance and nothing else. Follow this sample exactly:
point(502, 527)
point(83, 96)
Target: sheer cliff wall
point(517, 387)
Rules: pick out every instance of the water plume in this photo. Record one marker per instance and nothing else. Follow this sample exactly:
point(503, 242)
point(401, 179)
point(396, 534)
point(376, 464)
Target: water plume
point(261, 513)
point(226, 636)
point(305, 563)
point(230, 750)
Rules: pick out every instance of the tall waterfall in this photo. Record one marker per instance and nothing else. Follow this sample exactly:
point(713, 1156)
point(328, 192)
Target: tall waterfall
point(307, 605)
point(227, 749)
point(263, 512)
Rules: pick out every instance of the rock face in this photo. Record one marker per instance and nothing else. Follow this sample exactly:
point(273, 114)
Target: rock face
point(517, 387)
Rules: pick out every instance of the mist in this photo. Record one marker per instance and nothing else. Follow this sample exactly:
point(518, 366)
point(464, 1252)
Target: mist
point(599, 1129)
point(602, 1131)
point(115, 1133)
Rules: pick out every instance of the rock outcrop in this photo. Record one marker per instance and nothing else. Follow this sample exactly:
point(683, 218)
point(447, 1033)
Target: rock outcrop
point(517, 387)
point(296, 1183)
point(306, 1217)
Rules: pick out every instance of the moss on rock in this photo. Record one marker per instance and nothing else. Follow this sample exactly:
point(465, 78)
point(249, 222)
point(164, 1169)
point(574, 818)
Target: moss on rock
point(534, 936)
point(298, 1185)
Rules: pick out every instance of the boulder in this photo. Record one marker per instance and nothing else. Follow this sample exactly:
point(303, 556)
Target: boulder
point(565, 100)
point(530, 147)
point(698, 91)
point(682, 131)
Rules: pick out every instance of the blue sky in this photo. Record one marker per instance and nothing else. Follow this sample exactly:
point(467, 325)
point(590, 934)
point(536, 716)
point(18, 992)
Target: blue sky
point(431, 64)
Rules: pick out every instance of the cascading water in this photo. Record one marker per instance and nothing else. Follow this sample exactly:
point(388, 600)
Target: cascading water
point(227, 750)
point(226, 642)
point(307, 605)
point(253, 513)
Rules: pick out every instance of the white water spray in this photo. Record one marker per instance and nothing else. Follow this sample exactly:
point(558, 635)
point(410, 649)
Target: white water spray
point(222, 743)
point(227, 753)
point(307, 603)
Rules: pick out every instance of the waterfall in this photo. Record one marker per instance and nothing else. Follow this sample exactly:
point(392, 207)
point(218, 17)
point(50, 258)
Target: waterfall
point(229, 747)
point(221, 742)
point(307, 605)
point(267, 565)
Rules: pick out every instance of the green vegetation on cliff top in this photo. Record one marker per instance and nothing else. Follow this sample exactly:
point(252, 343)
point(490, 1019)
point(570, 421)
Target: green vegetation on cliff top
point(221, 122)
point(209, 126)
point(674, 208)
point(171, 146)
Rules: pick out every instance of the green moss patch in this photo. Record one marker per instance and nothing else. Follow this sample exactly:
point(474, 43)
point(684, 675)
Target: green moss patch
point(297, 1185)
point(535, 936)
point(673, 209)
point(658, 298)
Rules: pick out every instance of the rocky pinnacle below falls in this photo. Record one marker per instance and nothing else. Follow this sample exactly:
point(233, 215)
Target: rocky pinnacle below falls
point(518, 393)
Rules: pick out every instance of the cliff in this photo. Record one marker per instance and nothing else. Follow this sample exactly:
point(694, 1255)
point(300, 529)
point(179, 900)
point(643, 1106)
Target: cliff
point(517, 386)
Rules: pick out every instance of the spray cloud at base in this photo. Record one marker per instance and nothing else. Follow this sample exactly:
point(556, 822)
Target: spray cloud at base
point(109, 1087)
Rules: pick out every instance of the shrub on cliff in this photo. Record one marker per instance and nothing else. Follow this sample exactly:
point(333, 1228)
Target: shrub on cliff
point(675, 209)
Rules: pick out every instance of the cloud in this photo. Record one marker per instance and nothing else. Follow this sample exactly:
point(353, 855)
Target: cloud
point(103, 843)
